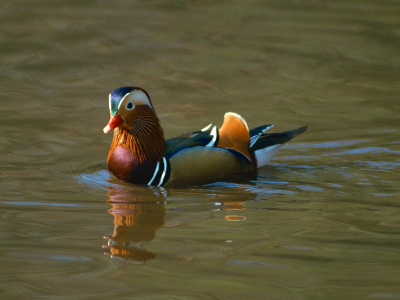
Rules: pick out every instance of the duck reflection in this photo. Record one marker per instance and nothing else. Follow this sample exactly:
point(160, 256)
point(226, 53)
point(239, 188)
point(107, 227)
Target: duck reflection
point(138, 213)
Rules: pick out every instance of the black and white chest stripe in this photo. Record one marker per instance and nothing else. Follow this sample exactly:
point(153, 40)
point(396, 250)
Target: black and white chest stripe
point(161, 173)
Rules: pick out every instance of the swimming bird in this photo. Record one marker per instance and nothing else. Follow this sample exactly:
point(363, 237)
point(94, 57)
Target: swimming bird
point(140, 154)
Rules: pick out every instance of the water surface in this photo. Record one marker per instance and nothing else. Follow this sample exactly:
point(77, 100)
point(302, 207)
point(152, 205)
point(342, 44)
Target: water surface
point(320, 222)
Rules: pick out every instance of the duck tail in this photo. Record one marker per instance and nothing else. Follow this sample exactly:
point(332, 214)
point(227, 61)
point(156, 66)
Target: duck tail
point(266, 145)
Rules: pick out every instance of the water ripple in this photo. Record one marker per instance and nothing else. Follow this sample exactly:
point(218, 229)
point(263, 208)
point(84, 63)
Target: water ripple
point(98, 180)
point(249, 188)
point(29, 203)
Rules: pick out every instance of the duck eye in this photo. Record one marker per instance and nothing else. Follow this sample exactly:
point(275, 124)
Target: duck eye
point(130, 106)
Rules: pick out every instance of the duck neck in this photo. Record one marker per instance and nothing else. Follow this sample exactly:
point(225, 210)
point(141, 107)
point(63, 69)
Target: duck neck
point(136, 148)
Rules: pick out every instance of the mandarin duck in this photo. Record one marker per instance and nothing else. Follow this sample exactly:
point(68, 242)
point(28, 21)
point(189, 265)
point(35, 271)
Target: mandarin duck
point(139, 153)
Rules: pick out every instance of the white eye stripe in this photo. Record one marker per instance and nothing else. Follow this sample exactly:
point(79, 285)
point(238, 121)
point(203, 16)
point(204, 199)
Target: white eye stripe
point(122, 100)
point(136, 97)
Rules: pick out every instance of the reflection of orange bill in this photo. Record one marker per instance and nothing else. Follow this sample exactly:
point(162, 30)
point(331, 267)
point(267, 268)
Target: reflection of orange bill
point(234, 218)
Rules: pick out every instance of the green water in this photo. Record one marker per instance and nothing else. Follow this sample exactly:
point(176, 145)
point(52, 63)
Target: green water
point(321, 222)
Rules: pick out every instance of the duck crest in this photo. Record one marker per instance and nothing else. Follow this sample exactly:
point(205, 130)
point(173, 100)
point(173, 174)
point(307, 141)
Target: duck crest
point(234, 134)
point(137, 147)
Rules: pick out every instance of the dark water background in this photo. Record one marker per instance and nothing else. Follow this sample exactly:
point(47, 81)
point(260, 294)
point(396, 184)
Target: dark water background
point(321, 222)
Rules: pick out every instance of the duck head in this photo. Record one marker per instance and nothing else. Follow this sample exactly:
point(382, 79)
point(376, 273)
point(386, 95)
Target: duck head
point(123, 104)
point(138, 143)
